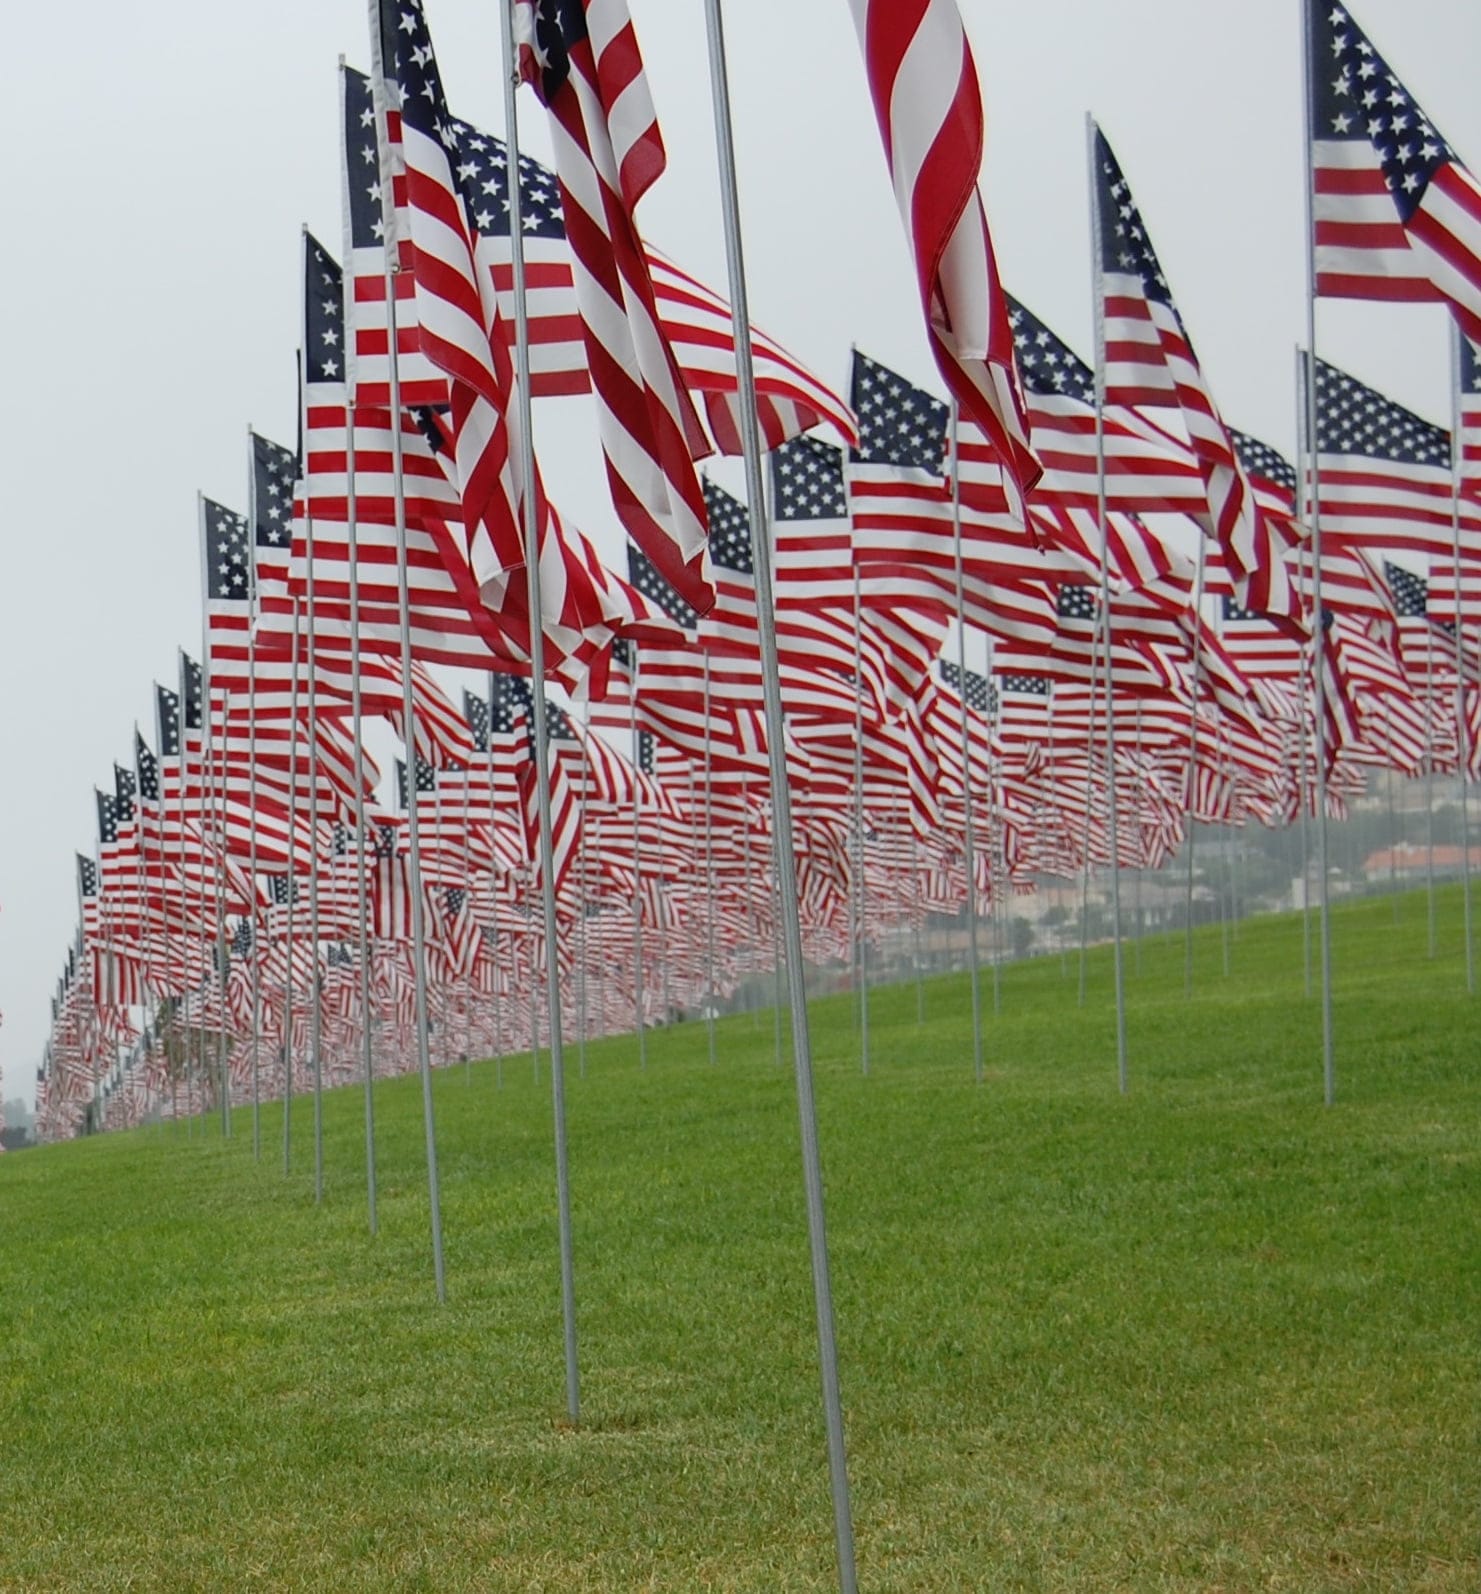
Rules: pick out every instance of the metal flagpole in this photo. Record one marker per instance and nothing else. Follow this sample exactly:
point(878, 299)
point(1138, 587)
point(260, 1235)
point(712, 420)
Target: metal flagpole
point(581, 873)
point(542, 751)
point(1302, 764)
point(969, 849)
point(709, 833)
point(1462, 730)
point(1329, 1076)
point(255, 951)
point(1226, 895)
point(1089, 807)
point(861, 894)
point(467, 774)
point(494, 947)
point(534, 975)
point(638, 999)
point(1141, 855)
point(289, 893)
point(362, 907)
point(1192, 788)
point(316, 1021)
point(782, 811)
point(1105, 599)
point(1429, 789)
point(413, 829)
point(995, 850)
point(916, 917)
point(1388, 787)
point(218, 805)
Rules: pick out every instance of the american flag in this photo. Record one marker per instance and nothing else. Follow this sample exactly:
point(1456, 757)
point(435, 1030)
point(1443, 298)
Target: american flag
point(1397, 215)
point(227, 559)
point(1149, 360)
point(1468, 404)
point(901, 509)
point(449, 620)
point(696, 319)
point(583, 61)
point(927, 101)
point(270, 506)
point(1384, 473)
point(813, 578)
point(458, 317)
point(979, 694)
point(1147, 470)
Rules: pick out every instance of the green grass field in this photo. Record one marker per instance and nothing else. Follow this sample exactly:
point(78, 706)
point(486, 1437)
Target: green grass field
point(1209, 1336)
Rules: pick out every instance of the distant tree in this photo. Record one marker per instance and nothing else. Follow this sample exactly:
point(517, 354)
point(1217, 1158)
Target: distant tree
point(1022, 933)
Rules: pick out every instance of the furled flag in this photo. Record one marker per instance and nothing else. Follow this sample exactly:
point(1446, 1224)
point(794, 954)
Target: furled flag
point(457, 311)
point(582, 59)
point(1397, 214)
point(1468, 406)
point(1149, 360)
point(929, 107)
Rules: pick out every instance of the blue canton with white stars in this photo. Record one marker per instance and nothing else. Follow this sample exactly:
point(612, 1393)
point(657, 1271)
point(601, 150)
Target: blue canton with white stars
point(1354, 419)
point(228, 562)
point(323, 317)
point(274, 471)
point(1355, 96)
point(807, 480)
point(1046, 364)
point(899, 424)
point(730, 530)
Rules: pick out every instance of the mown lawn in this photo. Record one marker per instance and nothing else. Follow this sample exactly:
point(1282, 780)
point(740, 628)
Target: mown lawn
point(1211, 1335)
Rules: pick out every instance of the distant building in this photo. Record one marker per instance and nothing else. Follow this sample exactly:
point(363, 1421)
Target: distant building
point(1410, 861)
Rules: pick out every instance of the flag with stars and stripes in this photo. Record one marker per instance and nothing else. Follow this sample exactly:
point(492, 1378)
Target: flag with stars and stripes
point(1384, 473)
point(901, 511)
point(1397, 212)
point(1468, 409)
point(1149, 361)
point(928, 104)
point(226, 555)
point(695, 318)
point(814, 578)
point(1146, 469)
point(460, 328)
point(272, 484)
point(583, 61)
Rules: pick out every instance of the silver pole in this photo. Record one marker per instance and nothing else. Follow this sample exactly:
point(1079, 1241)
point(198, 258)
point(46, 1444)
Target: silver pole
point(362, 907)
point(288, 978)
point(218, 787)
point(542, 751)
point(1089, 808)
point(968, 839)
point(1329, 1076)
point(1193, 764)
point(316, 1020)
point(1141, 855)
point(709, 823)
point(917, 915)
point(843, 1530)
point(252, 840)
point(638, 997)
point(995, 849)
point(1429, 791)
point(1105, 600)
point(1462, 730)
point(413, 830)
point(1226, 894)
point(583, 1014)
point(861, 894)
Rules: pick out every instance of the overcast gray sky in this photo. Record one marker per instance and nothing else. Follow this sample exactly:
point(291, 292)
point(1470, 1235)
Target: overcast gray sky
point(159, 164)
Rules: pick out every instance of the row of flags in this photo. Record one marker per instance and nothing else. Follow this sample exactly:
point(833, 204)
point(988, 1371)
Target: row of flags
point(1117, 552)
